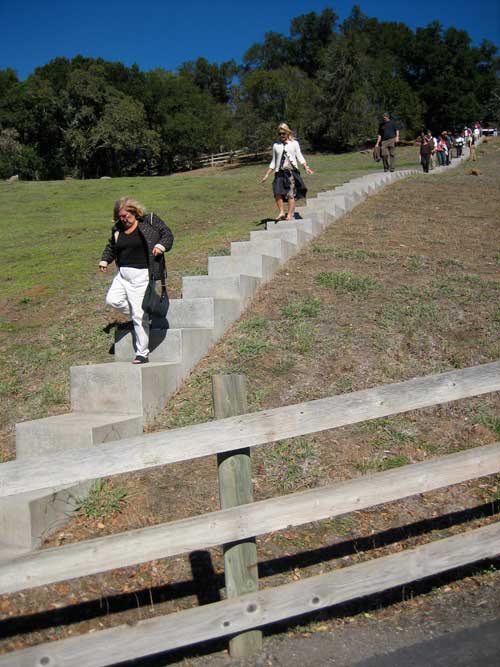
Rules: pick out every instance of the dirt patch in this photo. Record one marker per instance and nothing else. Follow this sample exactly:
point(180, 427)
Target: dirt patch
point(405, 285)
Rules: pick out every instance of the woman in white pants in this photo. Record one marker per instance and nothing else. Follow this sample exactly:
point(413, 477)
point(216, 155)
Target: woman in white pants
point(137, 245)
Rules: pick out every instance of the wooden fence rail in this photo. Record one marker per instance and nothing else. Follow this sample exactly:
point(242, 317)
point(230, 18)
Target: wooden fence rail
point(219, 159)
point(241, 155)
point(238, 523)
point(155, 449)
point(162, 633)
point(255, 609)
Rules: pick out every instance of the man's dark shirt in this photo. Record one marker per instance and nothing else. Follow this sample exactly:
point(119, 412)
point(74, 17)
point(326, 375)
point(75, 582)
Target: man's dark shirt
point(387, 130)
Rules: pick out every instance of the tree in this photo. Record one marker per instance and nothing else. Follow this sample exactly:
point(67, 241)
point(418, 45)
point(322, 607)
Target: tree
point(16, 159)
point(275, 52)
point(311, 34)
point(210, 77)
point(348, 113)
point(41, 123)
point(267, 98)
point(187, 119)
point(121, 142)
point(10, 97)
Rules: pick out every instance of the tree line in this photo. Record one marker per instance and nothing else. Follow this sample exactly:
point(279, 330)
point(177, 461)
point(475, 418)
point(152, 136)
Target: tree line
point(87, 117)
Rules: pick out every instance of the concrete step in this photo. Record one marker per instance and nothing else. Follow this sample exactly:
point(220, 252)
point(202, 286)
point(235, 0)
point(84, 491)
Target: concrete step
point(260, 266)
point(29, 518)
point(358, 192)
point(380, 179)
point(168, 345)
point(370, 184)
point(278, 248)
point(122, 387)
point(320, 216)
point(74, 429)
point(356, 187)
point(203, 313)
point(240, 287)
point(307, 225)
point(293, 235)
point(341, 201)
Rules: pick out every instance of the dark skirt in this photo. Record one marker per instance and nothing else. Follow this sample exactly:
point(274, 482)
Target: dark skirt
point(288, 184)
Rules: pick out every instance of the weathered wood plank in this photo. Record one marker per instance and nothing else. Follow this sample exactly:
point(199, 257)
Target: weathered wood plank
point(155, 449)
point(235, 488)
point(184, 628)
point(137, 546)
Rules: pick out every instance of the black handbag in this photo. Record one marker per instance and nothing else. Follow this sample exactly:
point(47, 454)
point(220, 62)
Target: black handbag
point(156, 305)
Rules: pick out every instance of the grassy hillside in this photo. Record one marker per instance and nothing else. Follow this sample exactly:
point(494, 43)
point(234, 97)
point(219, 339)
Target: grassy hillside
point(51, 237)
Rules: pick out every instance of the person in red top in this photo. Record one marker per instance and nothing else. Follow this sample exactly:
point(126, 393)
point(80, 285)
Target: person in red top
point(442, 150)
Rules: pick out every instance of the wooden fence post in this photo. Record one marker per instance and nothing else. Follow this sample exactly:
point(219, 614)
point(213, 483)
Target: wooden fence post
point(235, 488)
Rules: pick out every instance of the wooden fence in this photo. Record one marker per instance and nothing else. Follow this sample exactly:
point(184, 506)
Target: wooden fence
point(240, 156)
point(256, 609)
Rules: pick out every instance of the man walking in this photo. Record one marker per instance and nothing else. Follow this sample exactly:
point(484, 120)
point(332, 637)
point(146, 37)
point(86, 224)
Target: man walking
point(388, 137)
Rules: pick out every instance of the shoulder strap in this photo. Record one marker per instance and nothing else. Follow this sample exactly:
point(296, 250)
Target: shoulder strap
point(283, 156)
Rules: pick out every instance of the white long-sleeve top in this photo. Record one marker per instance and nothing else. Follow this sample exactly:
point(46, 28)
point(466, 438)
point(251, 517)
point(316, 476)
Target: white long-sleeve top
point(293, 151)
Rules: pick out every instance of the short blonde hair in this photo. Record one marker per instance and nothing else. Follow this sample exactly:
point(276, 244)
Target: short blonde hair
point(129, 204)
point(284, 128)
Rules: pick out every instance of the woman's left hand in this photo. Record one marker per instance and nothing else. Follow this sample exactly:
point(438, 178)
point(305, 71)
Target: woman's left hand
point(157, 251)
point(309, 171)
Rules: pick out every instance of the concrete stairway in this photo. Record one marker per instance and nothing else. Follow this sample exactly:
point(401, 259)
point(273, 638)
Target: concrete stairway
point(112, 401)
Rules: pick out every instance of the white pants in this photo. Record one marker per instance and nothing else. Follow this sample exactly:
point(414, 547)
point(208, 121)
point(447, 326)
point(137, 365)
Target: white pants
point(125, 295)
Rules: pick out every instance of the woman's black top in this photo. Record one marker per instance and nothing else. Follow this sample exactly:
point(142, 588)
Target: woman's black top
point(131, 250)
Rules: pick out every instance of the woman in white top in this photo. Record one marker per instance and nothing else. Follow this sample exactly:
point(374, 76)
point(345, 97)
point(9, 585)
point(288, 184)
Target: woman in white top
point(288, 185)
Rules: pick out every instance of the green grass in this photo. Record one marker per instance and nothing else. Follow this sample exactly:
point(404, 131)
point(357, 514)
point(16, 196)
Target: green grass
point(355, 253)
point(345, 282)
point(103, 500)
point(414, 263)
point(52, 226)
point(299, 338)
point(492, 422)
point(291, 463)
point(342, 525)
point(250, 348)
point(306, 307)
point(383, 463)
point(255, 325)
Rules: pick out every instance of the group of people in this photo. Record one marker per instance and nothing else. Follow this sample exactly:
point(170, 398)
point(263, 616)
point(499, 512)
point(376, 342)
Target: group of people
point(436, 150)
point(139, 241)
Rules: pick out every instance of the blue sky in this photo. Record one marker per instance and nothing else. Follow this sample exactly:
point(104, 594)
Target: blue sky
point(165, 34)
